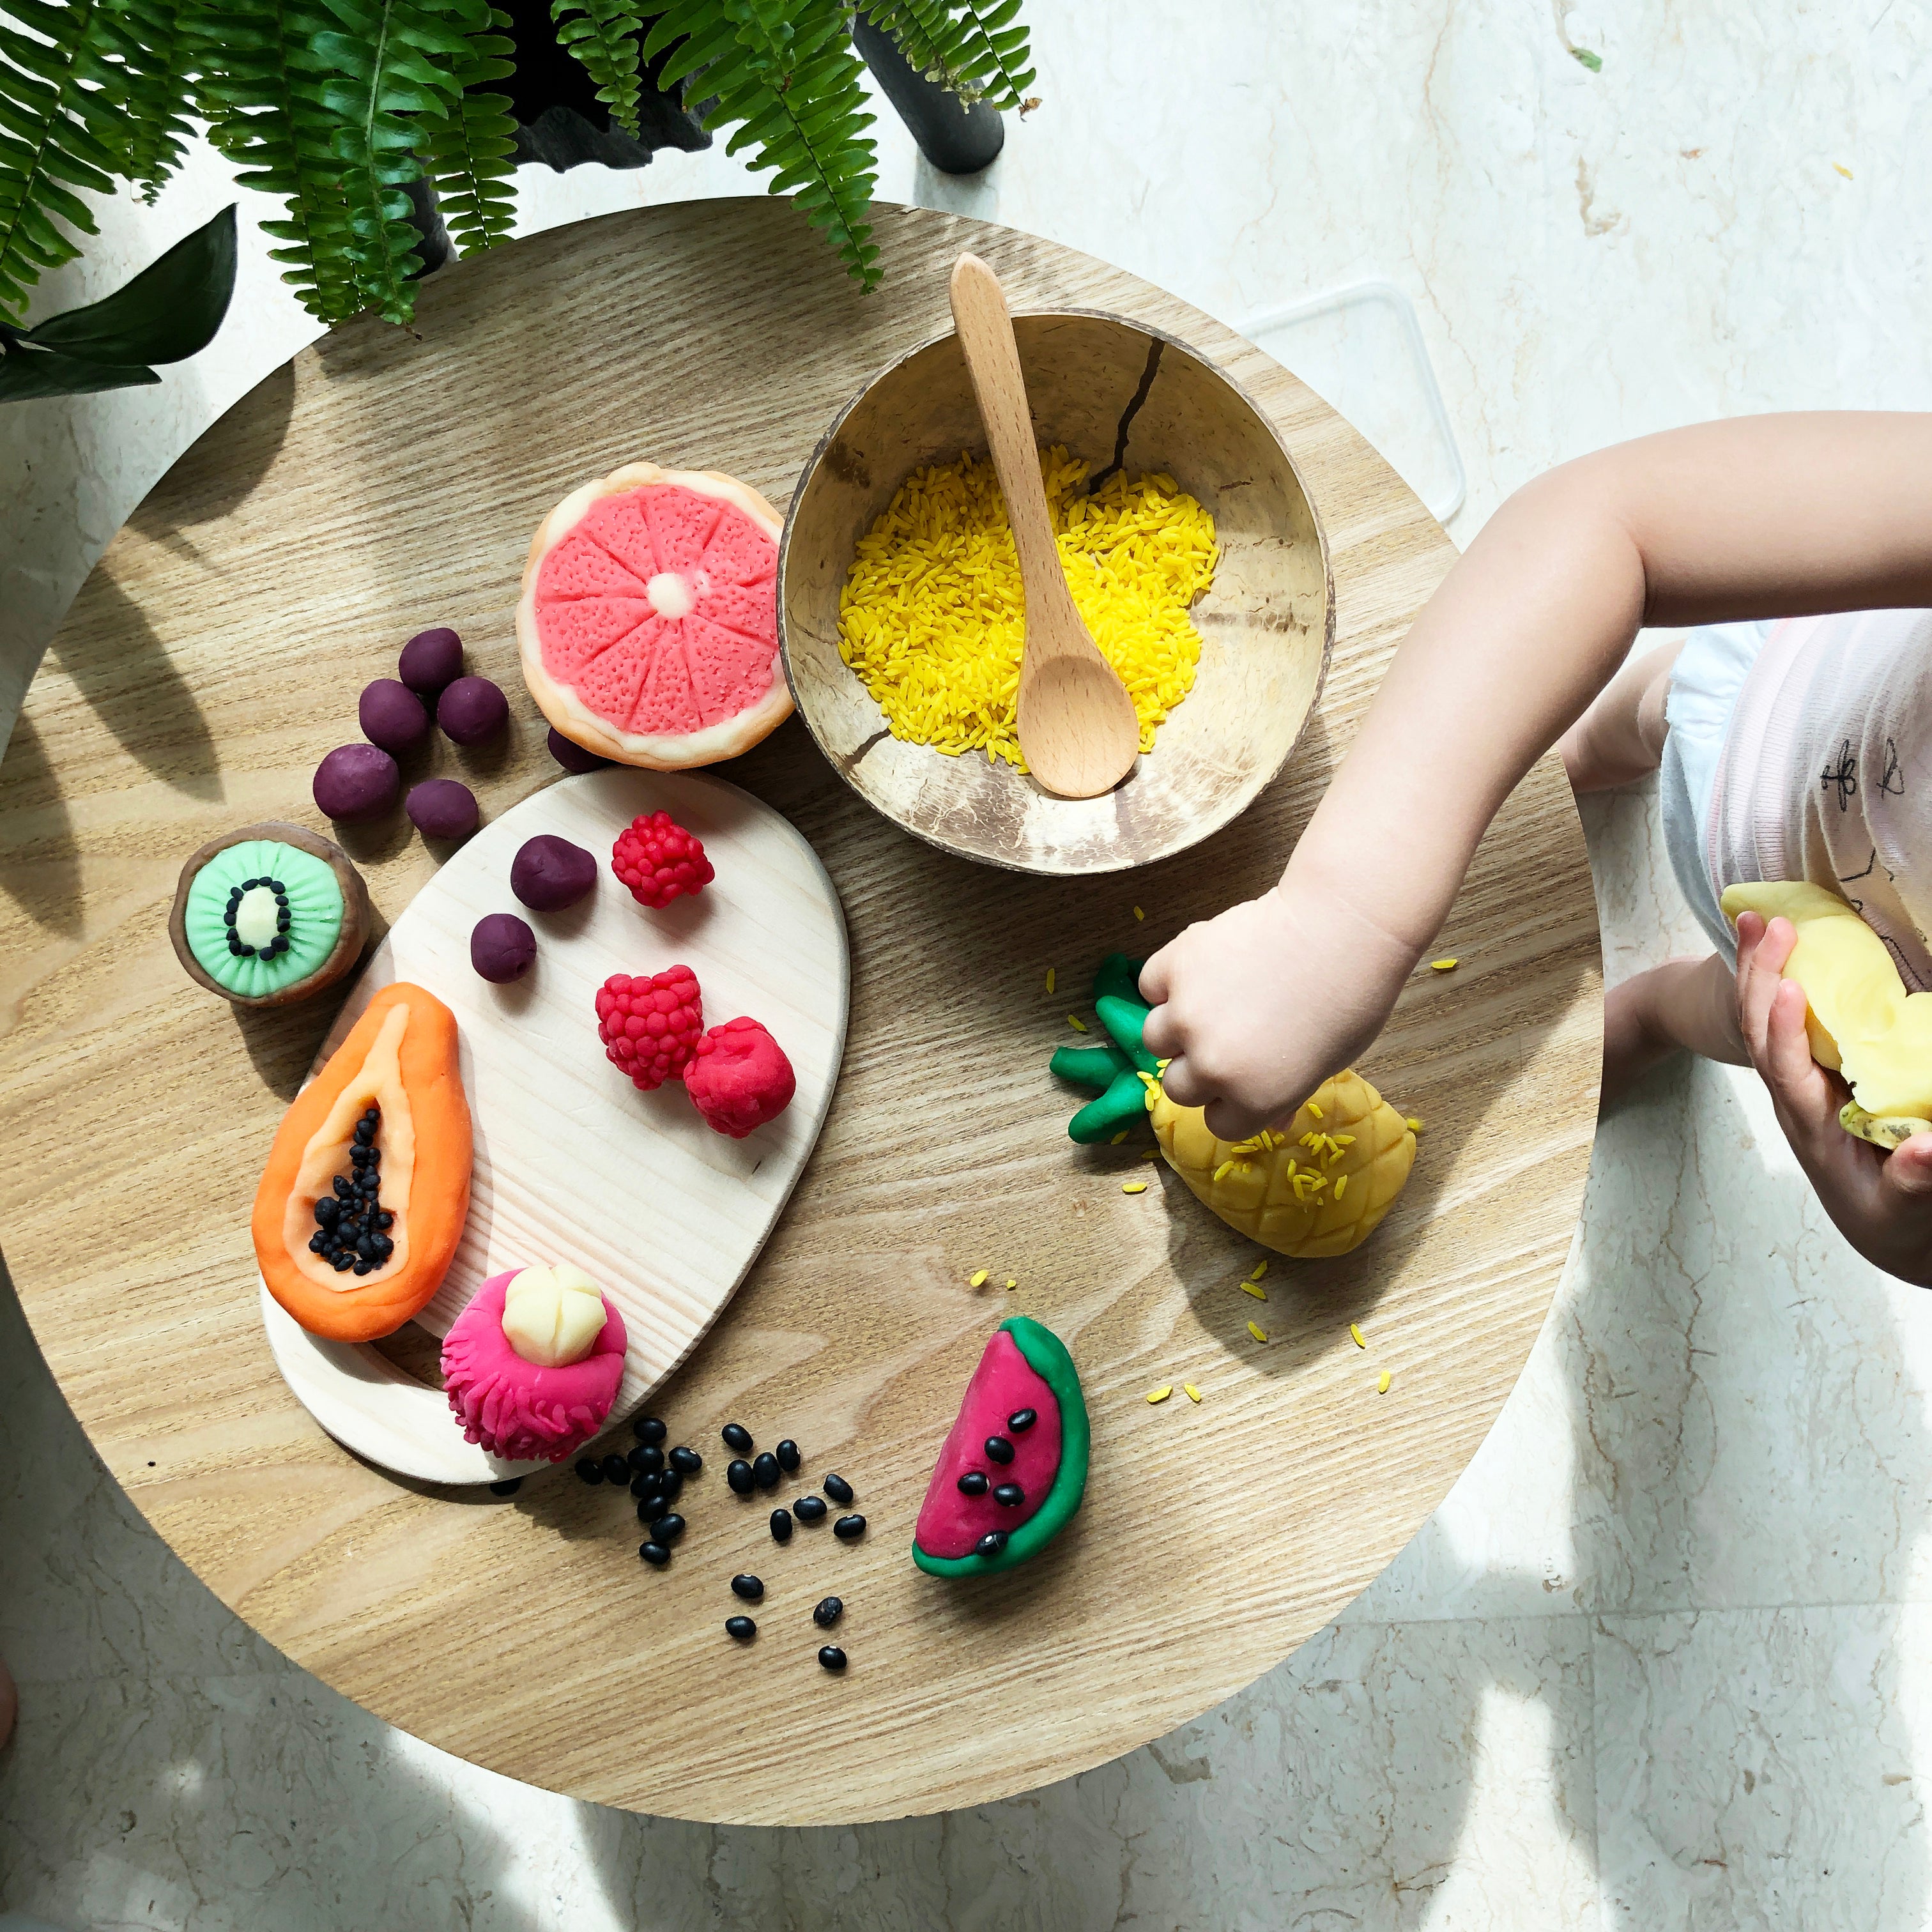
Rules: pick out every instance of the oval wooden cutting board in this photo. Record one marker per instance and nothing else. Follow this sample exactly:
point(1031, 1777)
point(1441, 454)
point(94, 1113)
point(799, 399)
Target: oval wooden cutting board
point(572, 1162)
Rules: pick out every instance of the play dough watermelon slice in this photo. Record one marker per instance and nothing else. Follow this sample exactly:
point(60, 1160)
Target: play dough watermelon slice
point(648, 625)
point(1023, 1423)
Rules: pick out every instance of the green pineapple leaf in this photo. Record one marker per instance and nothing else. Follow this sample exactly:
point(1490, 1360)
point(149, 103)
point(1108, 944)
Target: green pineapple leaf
point(977, 52)
point(602, 35)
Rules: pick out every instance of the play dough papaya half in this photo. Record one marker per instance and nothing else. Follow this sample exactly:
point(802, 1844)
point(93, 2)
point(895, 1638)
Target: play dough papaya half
point(367, 1187)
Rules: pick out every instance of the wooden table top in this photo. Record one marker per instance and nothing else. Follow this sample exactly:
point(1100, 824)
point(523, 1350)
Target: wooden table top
point(385, 481)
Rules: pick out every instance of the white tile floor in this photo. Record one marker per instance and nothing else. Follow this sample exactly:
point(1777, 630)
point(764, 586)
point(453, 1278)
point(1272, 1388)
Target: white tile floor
point(1656, 1662)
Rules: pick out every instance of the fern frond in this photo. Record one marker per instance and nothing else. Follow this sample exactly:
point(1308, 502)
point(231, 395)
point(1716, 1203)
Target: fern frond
point(602, 35)
point(469, 153)
point(784, 73)
point(158, 52)
point(975, 51)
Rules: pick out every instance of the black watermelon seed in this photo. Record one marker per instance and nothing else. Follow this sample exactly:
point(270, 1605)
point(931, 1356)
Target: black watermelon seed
point(849, 1528)
point(832, 1657)
point(508, 1486)
point(668, 1529)
point(974, 1483)
point(835, 1487)
point(736, 1436)
point(809, 1509)
point(789, 1458)
point(1010, 1494)
point(781, 1526)
point(655, 1554)
point(1021, 1420)
point(647, 1458)
point(648, 1428)
point(742, 1628)
point(738, 1474)
point(828, 1612)
point(991, 1544)
point(616, 1469)
point(998, 1449)
point(749, 1588)
point(686, 1462)
point(765, 1470)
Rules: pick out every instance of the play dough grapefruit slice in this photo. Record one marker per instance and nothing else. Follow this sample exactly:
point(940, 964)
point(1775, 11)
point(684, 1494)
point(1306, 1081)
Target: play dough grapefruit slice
point(648, 625)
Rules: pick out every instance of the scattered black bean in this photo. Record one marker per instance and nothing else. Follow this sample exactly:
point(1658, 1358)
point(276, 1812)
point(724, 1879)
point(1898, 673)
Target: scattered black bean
point(736, 1436)
point(835, 1487)
point(998, 1449)
point(991, 1544)
point(668, 1529)
point(647, 1458)
point(781, 1526)
point(651, 1508)
point(829, 1611)
point(649, 1429)
point(646, 1485)
point(809, 1509)
point(508, 1486)
point(616, 1469)
point(742, 1628)
point(1010, 1494)
point(1021, 1420)
point(974, 1483)
point(655, 1554)
point(849, 1528)
point(749, 1588)
point(673, 1485)
point(789, 1458)
point(831, 1657)
point(590, 1469)
point(765, 1470)
point(686, 1462)
point(738, 1474)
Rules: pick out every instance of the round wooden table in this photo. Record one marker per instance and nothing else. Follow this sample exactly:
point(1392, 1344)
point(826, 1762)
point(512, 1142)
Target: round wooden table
point(386, 482)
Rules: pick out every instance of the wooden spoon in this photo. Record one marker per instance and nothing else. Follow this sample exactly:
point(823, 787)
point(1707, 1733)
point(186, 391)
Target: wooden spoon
point(1077, 725)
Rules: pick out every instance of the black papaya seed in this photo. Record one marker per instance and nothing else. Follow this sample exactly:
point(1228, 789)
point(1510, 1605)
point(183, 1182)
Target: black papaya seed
point(686, 1462)
point(738, 1474)
point(831, 1657)
point(781, 1526)
point(809, 1509)
point(765, 1470)
point(849, 1528)
point(649, 1429)
point(974, 1483)
point(991, 1544)
point(742, 1628)
point(655, 1554)
point(789, 1459)
point(738, 1437)
point(1021, 1420)
point(835, 1487)
point(1010, 1494)
point(749, 1588)
point(829, 1611)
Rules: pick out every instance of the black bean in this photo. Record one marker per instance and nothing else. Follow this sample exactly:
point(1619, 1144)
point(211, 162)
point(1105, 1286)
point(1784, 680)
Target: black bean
point(991, 1544)
point(809, 1509)
point(672, 1484)
point(647, 1458)
point(974, 1483)
point(789, 1458)
point(655, 1554)
point(616, 1469)
point(835, 1487)
point(831, 1657)
point(668, 1529)
point(736, 1436)
point(828, 1612)
point(849, 1528)
point(749, 1588)
point(648, 1489)
point(738, 1474)
point(781, 1526)
point(508, 1486)
point(1010, 1494)
point(1021, 1420)
point(686, 1462)
point(742, 1628)
point(998, 1449)
point(648, 1428)
point(765, 1470)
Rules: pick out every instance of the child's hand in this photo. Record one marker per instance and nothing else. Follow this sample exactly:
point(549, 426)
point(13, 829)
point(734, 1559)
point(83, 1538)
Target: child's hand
point(1881, 1203)
point(1256, 1008)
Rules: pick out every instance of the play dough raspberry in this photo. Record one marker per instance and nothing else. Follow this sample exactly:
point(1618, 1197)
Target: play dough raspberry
point(532, 1391)
point(650, 1027)
point(657, 859)
point(648, 625)
point(740, 1078)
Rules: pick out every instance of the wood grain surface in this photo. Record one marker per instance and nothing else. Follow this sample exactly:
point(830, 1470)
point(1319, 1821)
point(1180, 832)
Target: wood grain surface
point(386, 480)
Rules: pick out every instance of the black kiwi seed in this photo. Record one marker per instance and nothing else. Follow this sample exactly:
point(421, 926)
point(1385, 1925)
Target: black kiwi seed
point(1021, 1420)
point(742, 1628)
point(686, 1462)
point(649, 1429)
point(736, 1436)
point(829, 1611)
point(831, 1657)
point(809, 1509)
point(589, 1469)
point(655, 1554)
point(835, 1487)
point(765, 1470)
point(749, 1588)
point(974, 1483)
point(616, 1469)
point(991, 1544)
point(789, 1458)
point(998, 1449)
point(849, 1528)
point(781, 1526)
point(738, 1474)
point(1010, 1494)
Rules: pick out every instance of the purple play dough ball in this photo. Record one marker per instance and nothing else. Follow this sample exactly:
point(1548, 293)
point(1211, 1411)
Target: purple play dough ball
point(430, 660)
point(571, 756)
point(442, 809)
point(392, 716)
point(356, 782)
point(471, 709)
point(502, 947)
point(550, 873)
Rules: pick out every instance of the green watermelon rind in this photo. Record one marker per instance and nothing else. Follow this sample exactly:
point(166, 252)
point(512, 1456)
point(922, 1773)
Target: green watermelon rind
point(1046, 1355)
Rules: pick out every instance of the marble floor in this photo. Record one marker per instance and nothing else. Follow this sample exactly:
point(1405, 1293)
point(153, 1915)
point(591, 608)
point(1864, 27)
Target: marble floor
point(1651, 1664)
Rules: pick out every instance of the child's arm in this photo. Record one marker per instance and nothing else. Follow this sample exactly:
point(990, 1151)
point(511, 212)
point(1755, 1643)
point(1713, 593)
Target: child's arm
point(1769, 516)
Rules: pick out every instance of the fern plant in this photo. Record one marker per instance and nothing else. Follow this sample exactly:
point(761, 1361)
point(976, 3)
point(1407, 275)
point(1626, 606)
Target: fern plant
point(338, 108)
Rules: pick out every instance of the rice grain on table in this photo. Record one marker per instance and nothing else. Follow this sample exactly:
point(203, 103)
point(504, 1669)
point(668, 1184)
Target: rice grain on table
point(932, 616)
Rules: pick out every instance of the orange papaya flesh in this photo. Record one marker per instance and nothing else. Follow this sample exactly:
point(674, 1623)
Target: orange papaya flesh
point(400, 1058)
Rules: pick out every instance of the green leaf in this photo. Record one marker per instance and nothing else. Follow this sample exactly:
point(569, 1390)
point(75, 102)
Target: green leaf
point(602, 37)
point(469, 152)
point(973, 50)
point(27, 373)
point(169, 310)
point(1583, 57)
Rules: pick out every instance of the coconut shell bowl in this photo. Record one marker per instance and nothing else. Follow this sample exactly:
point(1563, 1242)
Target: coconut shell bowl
point(1113, 392)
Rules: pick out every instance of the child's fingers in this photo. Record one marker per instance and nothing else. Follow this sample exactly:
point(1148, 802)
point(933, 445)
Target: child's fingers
point(1797, 1081)
point(1232, 1121)
point(1179, 1083)
point(1162, 1032)
point(1762, 952)
point(1157, 976)
point(1905, 1179)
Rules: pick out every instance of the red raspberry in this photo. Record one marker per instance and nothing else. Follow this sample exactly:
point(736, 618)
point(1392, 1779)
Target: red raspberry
point(657, 859)
point(649, 1026)
point(740, 1078)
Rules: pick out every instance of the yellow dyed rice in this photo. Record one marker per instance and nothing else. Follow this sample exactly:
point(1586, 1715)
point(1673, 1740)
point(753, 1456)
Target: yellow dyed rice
point(1162, 1393)
point(977, 1278)
point(1382, 1383)
point(932, 618)
point(1192, 1393)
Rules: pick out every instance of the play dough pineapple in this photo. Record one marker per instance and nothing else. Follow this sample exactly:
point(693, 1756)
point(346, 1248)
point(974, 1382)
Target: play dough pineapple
point(1319, 1187)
